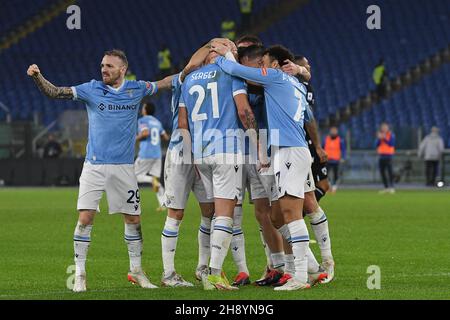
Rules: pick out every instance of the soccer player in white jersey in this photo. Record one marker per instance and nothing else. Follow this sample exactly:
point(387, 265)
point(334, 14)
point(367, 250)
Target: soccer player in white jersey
point(148, 163)
point(211, 105)
point(112, 105)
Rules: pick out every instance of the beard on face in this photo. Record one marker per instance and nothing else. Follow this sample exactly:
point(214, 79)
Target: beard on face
point(110, 78)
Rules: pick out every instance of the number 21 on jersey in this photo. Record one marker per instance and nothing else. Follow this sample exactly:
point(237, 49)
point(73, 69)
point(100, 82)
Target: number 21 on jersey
point(196, 115)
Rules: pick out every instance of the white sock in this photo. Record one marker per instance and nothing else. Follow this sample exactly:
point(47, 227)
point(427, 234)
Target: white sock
point(284, 230)
point(133, 239)
point(266, 249)
point(213, 221)
point(238, 242)
point(319, 225)
point(169, 239)
point(160, 196)
point(299, 243)
point(278, 261)
point(289, 265)
point(220, 242)
point(313, 265)
point(204, 242)
point(81, 242)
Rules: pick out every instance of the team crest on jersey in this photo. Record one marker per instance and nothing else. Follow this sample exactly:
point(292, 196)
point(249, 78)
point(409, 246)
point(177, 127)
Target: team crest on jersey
point(130, 92)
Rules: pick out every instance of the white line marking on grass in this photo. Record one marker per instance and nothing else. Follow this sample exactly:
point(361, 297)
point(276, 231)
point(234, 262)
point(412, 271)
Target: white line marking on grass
point(403, 275)
point(43, 293)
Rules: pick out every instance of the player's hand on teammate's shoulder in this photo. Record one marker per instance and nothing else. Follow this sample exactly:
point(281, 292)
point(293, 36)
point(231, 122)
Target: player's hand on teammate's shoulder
point(33, 70)
point(292, 69)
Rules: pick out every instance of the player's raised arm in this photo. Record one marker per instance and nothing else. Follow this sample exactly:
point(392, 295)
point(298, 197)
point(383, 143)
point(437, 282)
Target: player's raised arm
point(296, 70)
point(165, 84)
point(196, 61)
point(47, 87)
point(262, 76)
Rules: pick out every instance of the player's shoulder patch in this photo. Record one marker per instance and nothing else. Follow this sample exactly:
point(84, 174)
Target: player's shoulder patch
point(264, 71)
point(150, 86)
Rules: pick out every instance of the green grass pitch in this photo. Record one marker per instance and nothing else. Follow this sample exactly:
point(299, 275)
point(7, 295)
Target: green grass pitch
point(407, 235)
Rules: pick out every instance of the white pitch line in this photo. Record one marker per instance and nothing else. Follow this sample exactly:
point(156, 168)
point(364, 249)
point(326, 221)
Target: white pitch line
point(440, 274)
point(63, 292)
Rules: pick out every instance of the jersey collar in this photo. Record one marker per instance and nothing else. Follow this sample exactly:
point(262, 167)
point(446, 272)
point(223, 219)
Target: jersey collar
point(119, 88)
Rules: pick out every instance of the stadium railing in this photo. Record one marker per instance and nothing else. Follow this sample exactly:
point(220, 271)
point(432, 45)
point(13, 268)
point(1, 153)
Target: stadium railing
point(361, 167)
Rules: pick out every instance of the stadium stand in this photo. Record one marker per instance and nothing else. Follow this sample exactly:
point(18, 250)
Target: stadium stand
point(79, 52)
point(343, 52)
point(11, 17)
point(332, 34)
point(424, 104)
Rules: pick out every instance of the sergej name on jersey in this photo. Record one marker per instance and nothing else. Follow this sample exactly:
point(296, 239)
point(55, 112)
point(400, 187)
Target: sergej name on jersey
point(204, 75)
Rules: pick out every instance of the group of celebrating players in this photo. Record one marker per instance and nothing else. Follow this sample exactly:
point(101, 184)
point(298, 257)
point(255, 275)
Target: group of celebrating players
point(242, 120)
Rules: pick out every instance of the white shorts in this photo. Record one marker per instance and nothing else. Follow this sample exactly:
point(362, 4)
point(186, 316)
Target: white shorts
point(245, 185)
point(117, 180)
point(260, 186)
point(148, 166)
point(222, 181)
point(269, 184)
point(309, 182)
point(179, 180)
point(291, 167)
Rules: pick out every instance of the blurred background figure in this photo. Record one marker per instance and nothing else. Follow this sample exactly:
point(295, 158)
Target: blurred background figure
point(246, 13)
point(385, 144)
point(335, 147)
point(229, 29)
point(379, 78)
point(52, 148)
point(431, 149)
point(164, 61)
point(148, 164)
point(130, 76)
